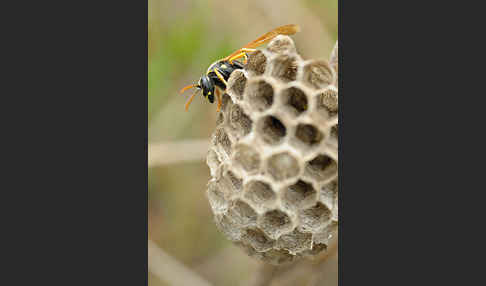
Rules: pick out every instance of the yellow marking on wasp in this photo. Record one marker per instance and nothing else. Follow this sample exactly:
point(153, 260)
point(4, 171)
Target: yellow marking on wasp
point(209, 93)
point(220, 76)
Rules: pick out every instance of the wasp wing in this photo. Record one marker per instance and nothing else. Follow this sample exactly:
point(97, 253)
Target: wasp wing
point(282, 30)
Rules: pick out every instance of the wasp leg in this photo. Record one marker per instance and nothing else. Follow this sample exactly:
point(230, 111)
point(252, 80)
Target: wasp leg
point(220, 76)
point(243, 53)
point(218, 96)
point(248, 50)
point(235, 57)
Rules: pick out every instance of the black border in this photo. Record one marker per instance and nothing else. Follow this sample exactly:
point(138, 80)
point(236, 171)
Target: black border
point(398, 172)
point(85, 213)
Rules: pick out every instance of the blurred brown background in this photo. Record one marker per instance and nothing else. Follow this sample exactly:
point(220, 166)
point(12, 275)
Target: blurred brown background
point(184, 38)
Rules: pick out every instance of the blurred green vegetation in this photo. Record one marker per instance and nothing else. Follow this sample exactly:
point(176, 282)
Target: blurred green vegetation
point(176, 47)
point(184, 38)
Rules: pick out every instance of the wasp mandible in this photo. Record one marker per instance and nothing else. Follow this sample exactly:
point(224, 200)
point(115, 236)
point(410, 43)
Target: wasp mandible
point(219, 72)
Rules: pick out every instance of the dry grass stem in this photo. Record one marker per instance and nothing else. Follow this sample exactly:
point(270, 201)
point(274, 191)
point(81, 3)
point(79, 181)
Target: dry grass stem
point(169, 270)
point(165, 153)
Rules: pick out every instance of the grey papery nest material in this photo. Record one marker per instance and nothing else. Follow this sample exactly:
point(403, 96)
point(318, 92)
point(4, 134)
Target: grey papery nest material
point(274, 155)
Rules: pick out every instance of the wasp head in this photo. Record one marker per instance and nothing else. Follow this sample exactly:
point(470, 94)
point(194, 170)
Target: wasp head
point(207, 85)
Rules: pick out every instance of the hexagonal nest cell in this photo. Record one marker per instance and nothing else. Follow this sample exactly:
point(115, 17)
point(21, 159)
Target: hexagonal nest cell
point(242, 213)
point(281, 45)
point(217, 198)
point(256, 63)
point(295, 241)
point(246, 158)
point(335, 134)
point(328, 194)
point(236, 84)
point(327, 102)
point(273, 155)
point(259, 193)
point(258, 240)
point(315, 217)
point(260, 95)
point(222, 140)
point(232, 181)
point(271, 130)
point(295, 100)
point(318, 74)
point(213, 162)
point(226, 102)
point(308, 134)
point(275, 222)
point(299, 195)
point(239, 122)
point(283, 166)
point(284, 68)
point(321, 168)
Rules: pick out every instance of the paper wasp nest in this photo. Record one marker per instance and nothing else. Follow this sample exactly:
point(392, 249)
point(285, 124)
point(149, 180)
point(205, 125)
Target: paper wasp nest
point(274, 155)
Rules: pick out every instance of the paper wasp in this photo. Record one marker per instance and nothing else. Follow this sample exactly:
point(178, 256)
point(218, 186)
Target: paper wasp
point(219, 72)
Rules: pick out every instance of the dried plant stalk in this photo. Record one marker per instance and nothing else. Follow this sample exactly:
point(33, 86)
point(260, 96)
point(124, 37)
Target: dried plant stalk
point(167, 269)
point(165, 153)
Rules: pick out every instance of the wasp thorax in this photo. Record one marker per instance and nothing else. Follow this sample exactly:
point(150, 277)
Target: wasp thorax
point(273, 156)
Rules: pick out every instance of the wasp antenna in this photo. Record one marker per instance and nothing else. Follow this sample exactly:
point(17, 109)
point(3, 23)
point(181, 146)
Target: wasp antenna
point(188, 102)
point(187, 87)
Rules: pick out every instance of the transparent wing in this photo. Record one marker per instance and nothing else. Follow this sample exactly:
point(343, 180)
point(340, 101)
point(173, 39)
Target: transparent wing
point(282, 30)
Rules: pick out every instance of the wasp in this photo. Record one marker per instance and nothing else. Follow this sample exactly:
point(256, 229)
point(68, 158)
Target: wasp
point(219, 72)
